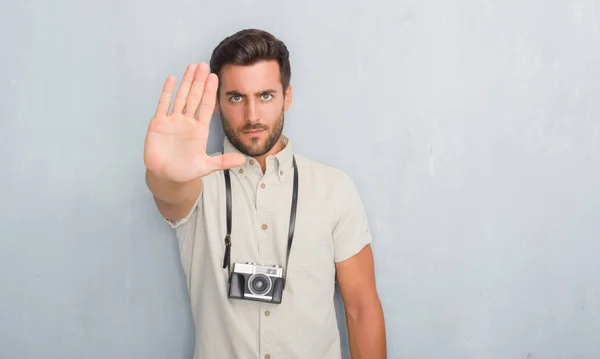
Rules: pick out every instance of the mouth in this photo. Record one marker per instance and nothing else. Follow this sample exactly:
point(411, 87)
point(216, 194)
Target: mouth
point(253, 132)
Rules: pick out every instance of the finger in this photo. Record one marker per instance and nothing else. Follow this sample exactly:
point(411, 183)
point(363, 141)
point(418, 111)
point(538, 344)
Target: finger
point(164, 101)
point(195, 95)
point(184, 88)
point(226, 161)
point(207, 106)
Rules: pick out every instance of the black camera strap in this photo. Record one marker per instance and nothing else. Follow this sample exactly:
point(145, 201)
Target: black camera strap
point(227, 257)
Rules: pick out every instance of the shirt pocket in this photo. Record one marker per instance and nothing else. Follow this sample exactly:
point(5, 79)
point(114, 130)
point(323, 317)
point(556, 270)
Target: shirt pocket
point(312, 246)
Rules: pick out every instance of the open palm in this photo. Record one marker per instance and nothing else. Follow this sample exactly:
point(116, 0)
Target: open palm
point(175, 146)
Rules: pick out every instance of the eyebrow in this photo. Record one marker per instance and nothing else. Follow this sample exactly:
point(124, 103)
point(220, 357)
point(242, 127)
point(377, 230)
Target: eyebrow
point(237, 93)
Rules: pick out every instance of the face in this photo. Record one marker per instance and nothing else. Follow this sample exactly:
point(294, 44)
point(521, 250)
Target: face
point(252, 105)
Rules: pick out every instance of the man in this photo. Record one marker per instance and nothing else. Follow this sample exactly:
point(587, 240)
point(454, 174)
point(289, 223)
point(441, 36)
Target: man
point(244, 204)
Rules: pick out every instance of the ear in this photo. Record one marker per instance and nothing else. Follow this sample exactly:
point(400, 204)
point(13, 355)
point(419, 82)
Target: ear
point(288, 98)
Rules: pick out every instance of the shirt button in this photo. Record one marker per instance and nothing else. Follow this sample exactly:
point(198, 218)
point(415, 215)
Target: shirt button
point(264, 226)
point(251, 162)
point(267, 356)
point(281, 172)
point(241, 170)
point(267, 313)
point(262, 185)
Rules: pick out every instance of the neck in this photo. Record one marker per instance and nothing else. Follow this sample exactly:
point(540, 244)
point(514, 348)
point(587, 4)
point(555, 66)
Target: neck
point(262, 160)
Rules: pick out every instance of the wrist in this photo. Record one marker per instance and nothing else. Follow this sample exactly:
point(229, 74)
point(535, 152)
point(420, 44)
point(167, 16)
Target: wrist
point(169, 191)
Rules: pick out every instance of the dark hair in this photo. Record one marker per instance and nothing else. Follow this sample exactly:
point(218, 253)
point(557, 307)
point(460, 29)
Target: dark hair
point(249, 46)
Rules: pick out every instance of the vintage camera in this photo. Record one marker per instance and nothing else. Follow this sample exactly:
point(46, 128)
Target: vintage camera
point(256, 282)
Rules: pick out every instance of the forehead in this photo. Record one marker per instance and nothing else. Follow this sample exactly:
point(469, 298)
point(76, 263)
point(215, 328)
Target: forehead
point(249, 79)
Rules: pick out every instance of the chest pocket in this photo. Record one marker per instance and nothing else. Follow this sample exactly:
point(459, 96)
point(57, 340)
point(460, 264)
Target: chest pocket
point(312, 247)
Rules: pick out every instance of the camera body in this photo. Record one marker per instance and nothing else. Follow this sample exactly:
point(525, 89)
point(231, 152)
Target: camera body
point(256, 282)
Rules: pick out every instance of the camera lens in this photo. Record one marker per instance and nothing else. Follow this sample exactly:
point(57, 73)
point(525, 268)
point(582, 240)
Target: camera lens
point(259, 284)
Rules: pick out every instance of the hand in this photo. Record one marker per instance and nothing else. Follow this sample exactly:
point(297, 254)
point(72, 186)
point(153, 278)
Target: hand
point(175, 146)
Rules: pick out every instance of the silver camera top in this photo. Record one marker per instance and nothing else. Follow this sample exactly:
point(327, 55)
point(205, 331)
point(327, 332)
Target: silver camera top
point(253, 268)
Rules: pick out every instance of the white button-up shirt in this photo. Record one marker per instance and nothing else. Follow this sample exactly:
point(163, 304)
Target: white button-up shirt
point(331, 225)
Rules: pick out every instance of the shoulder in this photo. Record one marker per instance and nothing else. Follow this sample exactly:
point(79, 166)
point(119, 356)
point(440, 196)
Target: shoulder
point(324, 175)
point(318, 168)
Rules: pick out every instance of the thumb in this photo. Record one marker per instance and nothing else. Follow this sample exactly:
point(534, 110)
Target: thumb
point(226, 161)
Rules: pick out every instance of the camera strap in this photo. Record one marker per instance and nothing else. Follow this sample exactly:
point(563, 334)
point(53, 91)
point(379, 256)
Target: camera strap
point(227, 257)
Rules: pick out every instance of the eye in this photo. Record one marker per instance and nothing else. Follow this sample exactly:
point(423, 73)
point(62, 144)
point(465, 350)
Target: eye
point(266, 96)
point(235, 98)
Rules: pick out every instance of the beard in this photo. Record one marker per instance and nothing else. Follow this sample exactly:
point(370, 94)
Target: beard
point(256, 148)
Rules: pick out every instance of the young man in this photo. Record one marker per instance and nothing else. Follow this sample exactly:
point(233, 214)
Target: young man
point(246, 204)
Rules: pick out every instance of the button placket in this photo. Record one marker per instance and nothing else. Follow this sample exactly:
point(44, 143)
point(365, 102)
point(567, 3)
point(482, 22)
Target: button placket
point(264, 212)
point(267, 207)
point(268, 330)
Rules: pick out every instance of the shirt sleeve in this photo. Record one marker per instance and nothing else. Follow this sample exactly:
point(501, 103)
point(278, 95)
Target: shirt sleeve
point(180, 222)
point(351, 232)
point(185, 231)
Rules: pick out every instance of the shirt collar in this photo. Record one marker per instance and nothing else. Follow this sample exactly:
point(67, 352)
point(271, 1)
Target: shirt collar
point(280, 162)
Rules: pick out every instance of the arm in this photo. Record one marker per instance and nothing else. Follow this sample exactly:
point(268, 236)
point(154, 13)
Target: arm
point(364, 314)
point(173, 199)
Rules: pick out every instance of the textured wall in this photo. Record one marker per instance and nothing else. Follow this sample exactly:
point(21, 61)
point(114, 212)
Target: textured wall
point(470, 127)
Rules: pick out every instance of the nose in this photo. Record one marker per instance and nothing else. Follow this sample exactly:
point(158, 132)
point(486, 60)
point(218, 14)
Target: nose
point(251, 111)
